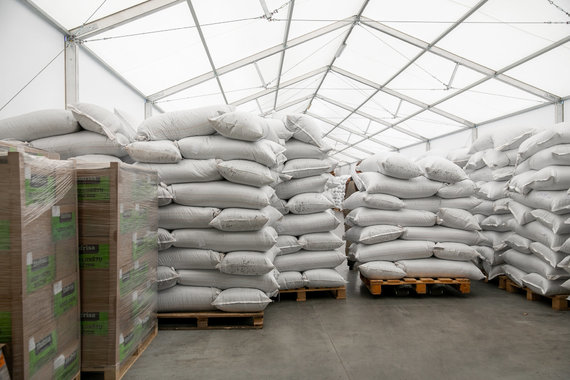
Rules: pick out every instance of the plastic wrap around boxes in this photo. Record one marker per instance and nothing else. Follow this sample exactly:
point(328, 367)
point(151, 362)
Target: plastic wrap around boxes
point(118, 259)
point(411, 219)
point(39, 274)
point(531, 242)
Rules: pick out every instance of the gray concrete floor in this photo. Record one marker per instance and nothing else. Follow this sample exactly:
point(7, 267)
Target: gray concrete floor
point(483, 335)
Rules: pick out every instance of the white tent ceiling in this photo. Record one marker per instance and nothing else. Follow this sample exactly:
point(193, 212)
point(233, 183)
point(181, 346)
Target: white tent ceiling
point(379, 74)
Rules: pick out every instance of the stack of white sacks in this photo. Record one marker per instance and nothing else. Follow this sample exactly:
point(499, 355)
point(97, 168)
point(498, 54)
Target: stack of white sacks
point(410, 219)
point(86, 132)
point(309, 249)
point(539, 191)
point(216, 241)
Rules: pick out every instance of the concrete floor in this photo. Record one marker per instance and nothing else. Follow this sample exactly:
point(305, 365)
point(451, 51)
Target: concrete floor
point(483, 335)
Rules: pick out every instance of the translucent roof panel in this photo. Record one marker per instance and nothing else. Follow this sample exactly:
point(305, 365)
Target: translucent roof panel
point(241, 83)
point(363, 124)
point(155, 61)
point(328, 111)
point(374, 55)
point(489, 39)
point(73, 13)
point(295, 108)
point(417, 17)
point(489, 100)
point(204, 94)
point(269, 69)
point(233, 29)
point(389, 108)
point(345, 136)
point(548, 71)
point(250, 106)
point(395, 138)
point(355, 152)
point(372, 146)
point(431, 78)
point(430, 125)
point(342, 89)
point(309, 15)
point(311, 55)
point(299, 90)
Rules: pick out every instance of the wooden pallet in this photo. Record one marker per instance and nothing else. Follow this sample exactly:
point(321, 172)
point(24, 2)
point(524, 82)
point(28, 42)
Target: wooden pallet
point(206, 320)
point(338, 293)
point(117, 372)
point(559, 302)
point(419, 284)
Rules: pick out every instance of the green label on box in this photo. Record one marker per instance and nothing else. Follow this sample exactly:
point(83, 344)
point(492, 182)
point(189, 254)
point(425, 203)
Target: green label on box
point(67, 368)
point(5, 327)
point(42, 351)
point(40, 272)
point(130, 280)
point(63, 226)
point(93, 188)
point(39, 188)
point(94, 323)
point(129, 342)
point(65, 299)
point(93, 256)
point(4, 235)
point(145, 244)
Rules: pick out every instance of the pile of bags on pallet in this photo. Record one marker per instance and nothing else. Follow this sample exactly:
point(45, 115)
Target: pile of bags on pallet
point(217, 243)
point(85, 132)
point(411, 219)
point(310, 250)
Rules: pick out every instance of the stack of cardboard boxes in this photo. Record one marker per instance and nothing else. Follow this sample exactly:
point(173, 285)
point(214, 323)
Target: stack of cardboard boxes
point(39, 274)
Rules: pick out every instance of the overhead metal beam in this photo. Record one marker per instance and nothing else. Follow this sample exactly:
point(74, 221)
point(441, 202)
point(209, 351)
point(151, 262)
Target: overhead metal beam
point(288, 83)
point(287, 105)
point(342, 47)
point(285, 38)
point(346, 154)
point(71, 68)
point(463, 61)
point(205, 45)
point(251, 59)
point(122, 17)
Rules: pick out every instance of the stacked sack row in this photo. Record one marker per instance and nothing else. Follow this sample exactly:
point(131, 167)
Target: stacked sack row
point(406, 212)
point(86, 132)
point(539, 191)
point(216, 240)
point(310, 250)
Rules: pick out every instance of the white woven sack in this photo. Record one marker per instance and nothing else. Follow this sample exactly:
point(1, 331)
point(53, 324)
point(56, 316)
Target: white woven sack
point(279, 127)
point(551, 178)
point(419, 187)
point(266, 283)
point(323, 278)
point(521, 213)
point(533, 264)
point(39, 124)
point(308, 167)
point(492, 190)
point(298, 149)
point(434, 267)
point(443, 234)
point(95, 158)
point(547, 254)
point(455, 251)
point(177, 216)
point(165, 239)
point(79, 143)
point(521, 183)
point(503, 174)
point(246, 263)
point(495, 239)
point(263, 151)
point(381, 270)
point(482, 175)
point(538, 232)
point(392, 251)
point(157, 152)
point(185, 171)
point(177, 125)
point(189, 258)
point(289, 189)
point(309, 203)
point(467, 203)
point(460, 189)
point(456, 218)
point(363, 217)
point(220, 194)
point(166, 277)
point(391, 164)
point(290, 280)
point(520, 243)
point(238, 125)
point(102, 121)
point(441, 169)
point(541, 285)
point(508, 139)
point(431, 204)
point(475, 162)
point(305, 128)
point(481, 143)
point(496, 159)
point(500, 223)
point(221, 241)
point(557, 202)
point(246, 173)
point(186, 299)
point(373, 234)
point(514, 274)
point(489, 255)
point(555, 155)
point(164, 195)
point(501, 206)
point(288, 244)
point(306, 260)
point(557, 223)
point(484, 207)
point(296, 225)
point(459, 156)
point(543, 140)
point(378, 201)
point(239, 219)
point(241, 300)
point(320, 241)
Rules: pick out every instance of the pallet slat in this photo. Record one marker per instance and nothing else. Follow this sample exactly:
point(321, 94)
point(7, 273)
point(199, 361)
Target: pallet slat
point(338, 293)
point(559, 302)
point(203, 319)
point(419, 284)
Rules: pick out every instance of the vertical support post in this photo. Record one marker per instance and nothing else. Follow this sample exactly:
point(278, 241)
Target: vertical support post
point(71, 72)
point(559, 112)
point(428, 145)
point(147, 109)
point(474, 134)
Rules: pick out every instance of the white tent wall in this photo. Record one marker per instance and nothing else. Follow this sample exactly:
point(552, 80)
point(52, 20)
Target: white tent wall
point(28, 44)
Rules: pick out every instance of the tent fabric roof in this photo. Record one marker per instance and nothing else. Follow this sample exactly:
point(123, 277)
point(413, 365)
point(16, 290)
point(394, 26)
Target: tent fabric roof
point(379, 75)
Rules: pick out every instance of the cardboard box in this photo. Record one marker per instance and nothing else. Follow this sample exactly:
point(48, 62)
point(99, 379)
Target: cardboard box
point(4, 373)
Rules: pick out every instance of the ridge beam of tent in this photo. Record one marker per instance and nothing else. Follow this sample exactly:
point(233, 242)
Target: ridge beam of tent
point(251, 59)
point(285, 38)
